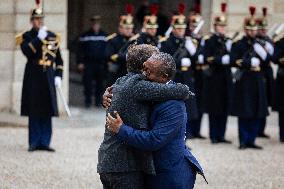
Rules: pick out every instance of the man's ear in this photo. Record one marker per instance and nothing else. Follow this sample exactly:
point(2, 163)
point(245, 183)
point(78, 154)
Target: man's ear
point(165, 76)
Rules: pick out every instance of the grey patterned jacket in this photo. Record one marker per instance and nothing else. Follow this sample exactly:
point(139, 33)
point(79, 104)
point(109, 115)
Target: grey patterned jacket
point(132, 98)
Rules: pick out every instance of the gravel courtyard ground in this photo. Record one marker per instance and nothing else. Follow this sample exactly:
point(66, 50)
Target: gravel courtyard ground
point(76, 140)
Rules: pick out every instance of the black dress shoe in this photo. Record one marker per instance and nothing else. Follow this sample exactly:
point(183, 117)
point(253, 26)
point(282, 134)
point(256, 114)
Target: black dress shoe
point(254, 146)
point(32, 149)
point(263, 135)
point(195, 137)
point(242, 147)
point(88, 105)
point(46, 148)
point(224, 141)
point(214, 141)
point(200, 137)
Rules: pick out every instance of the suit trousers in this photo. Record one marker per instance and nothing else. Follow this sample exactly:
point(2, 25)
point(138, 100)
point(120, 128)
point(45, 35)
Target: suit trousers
point(40, 131)
point(248, 130)
point(193, 127)
point(94, 81)
point(262, 126)
point(125, 180)
point(182, 178)
point(217, 126)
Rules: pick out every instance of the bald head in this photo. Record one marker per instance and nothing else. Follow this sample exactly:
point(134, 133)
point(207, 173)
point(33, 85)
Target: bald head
point(160, 67)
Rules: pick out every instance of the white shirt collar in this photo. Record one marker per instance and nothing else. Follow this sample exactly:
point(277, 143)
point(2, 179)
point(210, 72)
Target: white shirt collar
point(169, 81)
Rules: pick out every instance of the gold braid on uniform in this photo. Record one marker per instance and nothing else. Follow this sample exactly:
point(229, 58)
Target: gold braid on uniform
point(133, 38)
point(281, 60)
point(19, 38)
point(111, 36)
point(239, 62)
point(210, 59)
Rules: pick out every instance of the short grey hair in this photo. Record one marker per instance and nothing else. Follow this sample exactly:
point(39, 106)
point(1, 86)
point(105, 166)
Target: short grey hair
point(167, 66)
point(137, 55)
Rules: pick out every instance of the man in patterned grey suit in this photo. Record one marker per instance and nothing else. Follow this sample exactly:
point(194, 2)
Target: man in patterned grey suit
point(122, 166)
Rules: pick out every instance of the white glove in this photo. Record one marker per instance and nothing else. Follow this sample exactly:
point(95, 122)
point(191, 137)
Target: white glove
point(159, 45)
point(190, 47)
point(42, 33)
point(200, 59)
point(185, 62)
point(255, 62)
point(260, 51)
point(226, 59)
point(229, 44)
point(269, 47)
point(57, 81)
point(202, 42)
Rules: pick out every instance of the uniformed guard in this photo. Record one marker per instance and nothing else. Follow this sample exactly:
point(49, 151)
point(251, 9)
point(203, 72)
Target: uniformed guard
point(194, 22)
point(218, 83)
point(117, 45)
point(250, 100)
point(43, 72)
point(278, 100)
point(91, 61)
point(183, 49)
point(267, 70)
point(149, 30)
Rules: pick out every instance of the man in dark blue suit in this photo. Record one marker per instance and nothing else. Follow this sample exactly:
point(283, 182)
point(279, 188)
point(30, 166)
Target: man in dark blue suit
point(175, 166)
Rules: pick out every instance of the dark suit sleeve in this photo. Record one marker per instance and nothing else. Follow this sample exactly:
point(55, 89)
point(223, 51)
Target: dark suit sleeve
point(30, 45)
point(109, 50)
point(165, 128)
point(152, 91)
point(164, 47)
point(238, 58)
point(210, 55)
point(278, 56)
point(80, 51)
point(122, 53)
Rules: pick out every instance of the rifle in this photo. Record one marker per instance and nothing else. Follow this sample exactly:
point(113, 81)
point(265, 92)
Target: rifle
point(278, 31)
point(198, 27)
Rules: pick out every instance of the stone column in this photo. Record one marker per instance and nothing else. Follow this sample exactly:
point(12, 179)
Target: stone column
point(14, 19)
point(7, 46)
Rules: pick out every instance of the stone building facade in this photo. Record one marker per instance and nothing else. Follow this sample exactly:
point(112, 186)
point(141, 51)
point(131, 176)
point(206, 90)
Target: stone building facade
point(70, 18)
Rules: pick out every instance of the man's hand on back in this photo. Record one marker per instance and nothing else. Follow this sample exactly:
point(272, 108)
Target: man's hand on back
point(114, 123)
point(107, 97)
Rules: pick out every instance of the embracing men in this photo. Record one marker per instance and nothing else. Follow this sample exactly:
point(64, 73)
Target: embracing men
point(148, 150)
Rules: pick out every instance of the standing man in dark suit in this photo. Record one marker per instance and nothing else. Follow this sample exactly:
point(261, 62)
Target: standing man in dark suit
point(42, 73)
point(176, 167)
point(91, 61)
point(262, 25)
point(278, 100)
point(183, 49)
point(249, 98)
point(116, 48)
point(121, 166)
point(218, 82)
